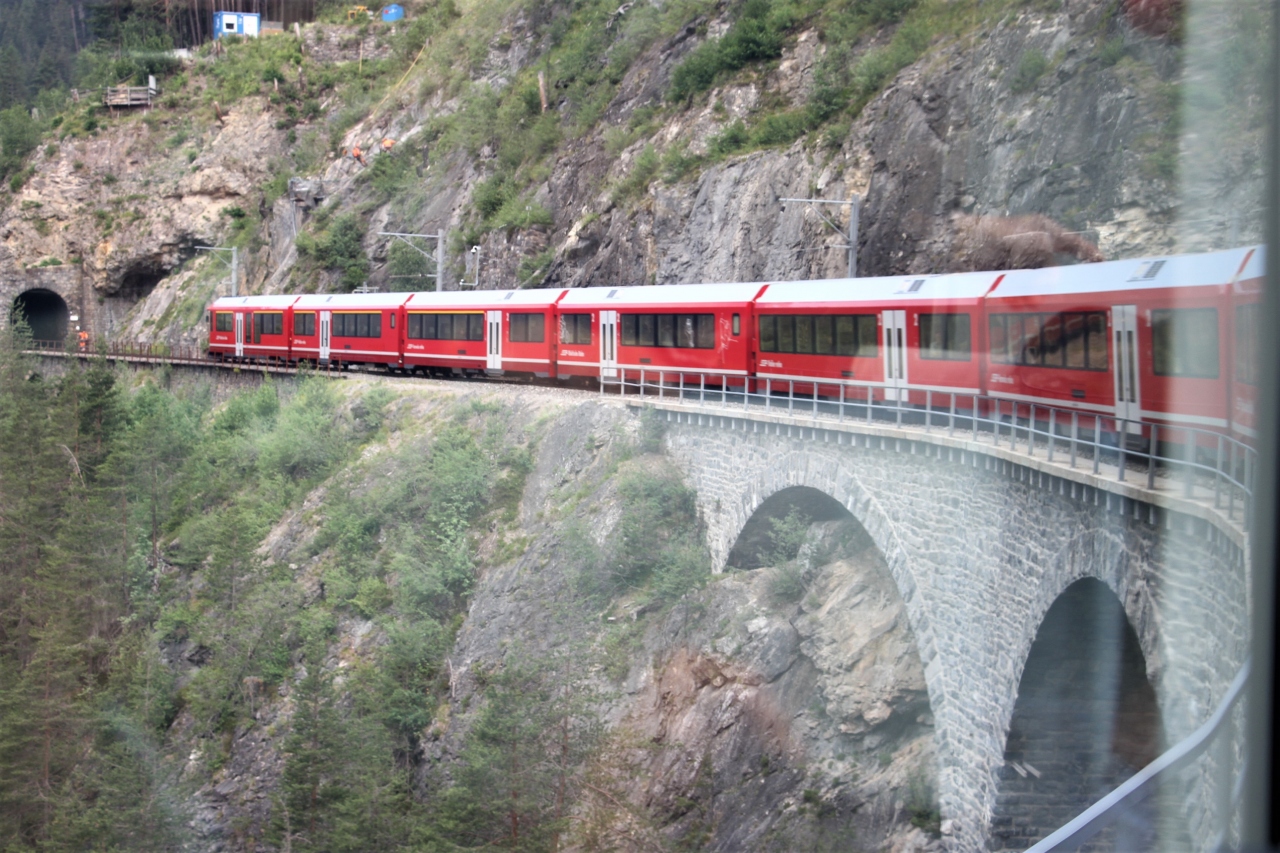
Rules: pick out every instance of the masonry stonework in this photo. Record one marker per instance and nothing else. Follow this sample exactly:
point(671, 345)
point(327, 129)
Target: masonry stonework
point(65, 280)
point(980, 547)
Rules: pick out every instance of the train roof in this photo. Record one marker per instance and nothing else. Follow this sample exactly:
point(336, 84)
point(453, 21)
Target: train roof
point(484, 298)
point(351, 301)
point(662, 294)
point(278, 301)
point(914, 288)
point(1201, 270)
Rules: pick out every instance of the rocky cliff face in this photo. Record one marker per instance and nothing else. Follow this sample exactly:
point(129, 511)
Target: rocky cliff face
point(133, 200)
point(1067, 113)
point(781, 708)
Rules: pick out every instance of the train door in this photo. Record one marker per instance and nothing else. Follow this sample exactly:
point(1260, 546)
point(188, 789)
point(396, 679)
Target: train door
point(493, 359)
point(895, 355)
point(1124, 361)
point(608, 344)
point(324, 336)
point(239, 334)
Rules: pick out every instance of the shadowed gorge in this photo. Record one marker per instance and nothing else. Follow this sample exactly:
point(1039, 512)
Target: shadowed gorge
point(1086, 719)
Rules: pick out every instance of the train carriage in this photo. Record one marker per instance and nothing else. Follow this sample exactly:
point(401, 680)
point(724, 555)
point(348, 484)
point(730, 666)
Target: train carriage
point(495, 331)
point(684, 332)
point(250, 327)
point(1139, 340)
point(343, 329)
point(873, 335)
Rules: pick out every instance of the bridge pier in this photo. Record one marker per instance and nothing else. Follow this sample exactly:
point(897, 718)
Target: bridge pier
point(981, 542)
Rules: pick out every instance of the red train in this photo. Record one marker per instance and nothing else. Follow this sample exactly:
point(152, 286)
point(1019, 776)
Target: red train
point(1162, 340)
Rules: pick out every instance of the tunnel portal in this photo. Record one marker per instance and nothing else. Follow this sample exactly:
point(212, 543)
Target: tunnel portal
point(45, 312)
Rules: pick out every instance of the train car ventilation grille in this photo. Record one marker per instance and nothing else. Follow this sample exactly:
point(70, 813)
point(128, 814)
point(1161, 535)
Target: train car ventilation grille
point(1149, 271)
point(510, 294)
point(916, 285)
point(612, 293)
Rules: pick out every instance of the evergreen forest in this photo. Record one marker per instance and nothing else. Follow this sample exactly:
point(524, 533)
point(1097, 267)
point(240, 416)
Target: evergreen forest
point(141, 617)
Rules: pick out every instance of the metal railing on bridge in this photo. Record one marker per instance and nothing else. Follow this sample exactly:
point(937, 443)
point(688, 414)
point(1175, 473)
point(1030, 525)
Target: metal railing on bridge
point(159, 353)
point(1197, 462)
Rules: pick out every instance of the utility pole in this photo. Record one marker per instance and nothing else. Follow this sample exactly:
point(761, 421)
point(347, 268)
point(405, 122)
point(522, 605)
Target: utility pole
point(438, 275)
point(855, 205)
point(235, 263)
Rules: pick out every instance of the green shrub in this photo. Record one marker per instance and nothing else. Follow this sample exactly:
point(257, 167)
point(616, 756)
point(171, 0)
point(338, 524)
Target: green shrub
point(877, 67)
point(642, 173)
point(780, 128)
point(19, 136)
point(756, 36)
point(733, 138)
point(1031, 67)
point(657, 542)
point(1111, 52)
point(339, 248)
point(490, 195)
point(534, 268)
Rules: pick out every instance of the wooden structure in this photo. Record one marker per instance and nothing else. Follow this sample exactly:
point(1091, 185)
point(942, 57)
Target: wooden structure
point(131, 96)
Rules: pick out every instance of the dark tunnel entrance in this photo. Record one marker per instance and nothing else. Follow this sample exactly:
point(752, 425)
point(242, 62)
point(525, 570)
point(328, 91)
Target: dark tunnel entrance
point(1086, 719)
point(45, 312)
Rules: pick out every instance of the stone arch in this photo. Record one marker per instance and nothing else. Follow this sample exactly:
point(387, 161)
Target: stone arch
point(46, 313)
point(756, 541)
point(795, 469)
point(1086, 718)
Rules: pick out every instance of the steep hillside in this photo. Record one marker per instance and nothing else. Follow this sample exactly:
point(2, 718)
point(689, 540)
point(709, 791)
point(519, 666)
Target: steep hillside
point(643, 143)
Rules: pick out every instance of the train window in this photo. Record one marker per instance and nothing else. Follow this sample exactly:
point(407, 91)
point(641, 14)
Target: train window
point(804, 333)
point(822, 334)
point(787, 334)
point(1051, 341)
point(737, 324)
point(684, 330)
point(527, 328)
point(575, 328)
point(669, 330)
point(706, 338)
point(868, 337)
point(222, 321)
point(646, 330)
point(1247, 344)
point(447, 327)
point(357, 325)
point(267, 324)
point(1185, 342)
point(393, 321)
point(769, 334)
point(1097, 346)
point(666, 325)
point(1075, 340)
point(944, 337)
point(304, 323)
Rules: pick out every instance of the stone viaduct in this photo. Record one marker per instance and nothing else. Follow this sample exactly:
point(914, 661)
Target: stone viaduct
point(982, 543)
